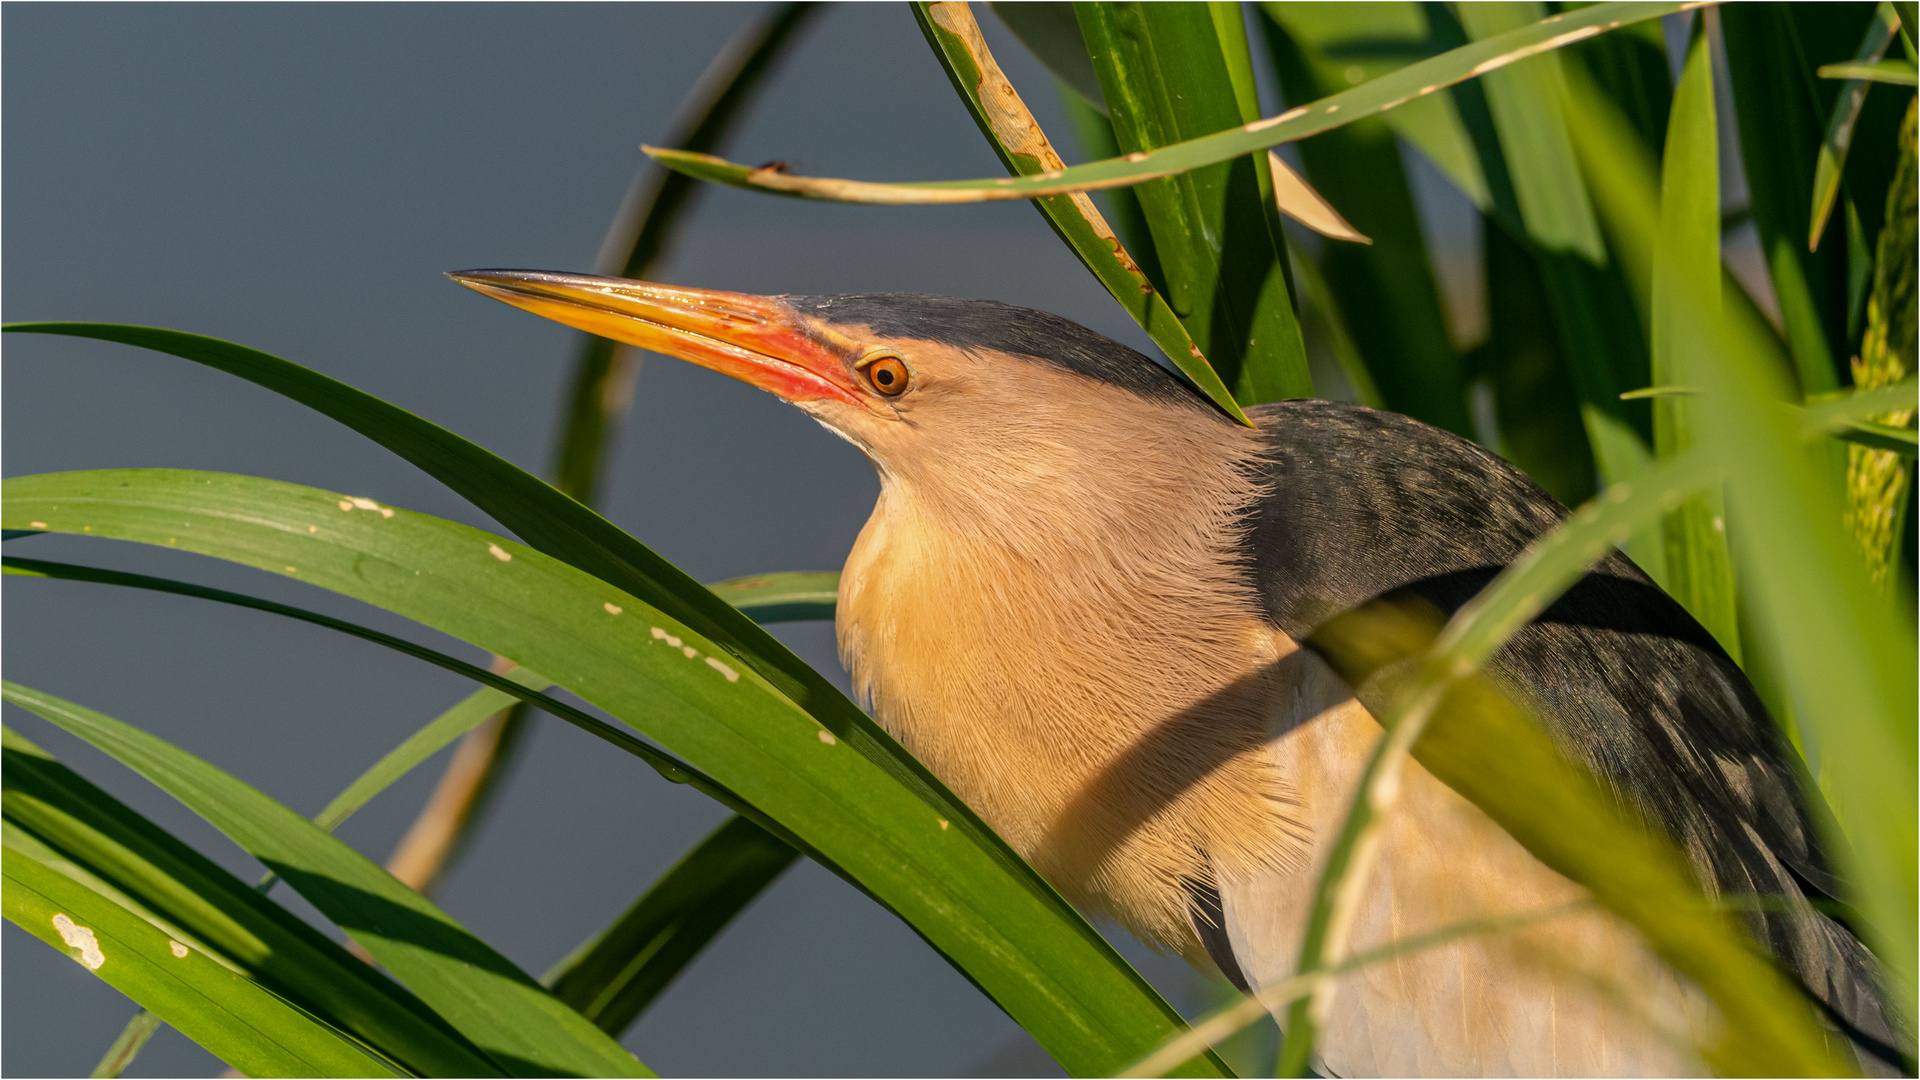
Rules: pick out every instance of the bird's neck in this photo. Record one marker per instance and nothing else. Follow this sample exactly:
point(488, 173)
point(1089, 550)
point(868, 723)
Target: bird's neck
point(1072, 642)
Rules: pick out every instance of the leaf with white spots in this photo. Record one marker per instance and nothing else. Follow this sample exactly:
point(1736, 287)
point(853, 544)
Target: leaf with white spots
point(474, 988)
point(236, 1019)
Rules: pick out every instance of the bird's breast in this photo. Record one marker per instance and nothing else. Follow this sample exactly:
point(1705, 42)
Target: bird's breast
point(1108, 721)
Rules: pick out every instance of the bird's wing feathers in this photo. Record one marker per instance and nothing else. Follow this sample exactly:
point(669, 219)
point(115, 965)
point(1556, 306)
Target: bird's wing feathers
point(1365, 504)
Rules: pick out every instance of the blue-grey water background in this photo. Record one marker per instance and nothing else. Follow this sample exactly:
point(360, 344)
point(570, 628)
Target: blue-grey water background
point(297, 178)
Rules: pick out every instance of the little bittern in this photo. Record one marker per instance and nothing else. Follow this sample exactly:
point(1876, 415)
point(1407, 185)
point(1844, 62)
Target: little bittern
point(1081, 598)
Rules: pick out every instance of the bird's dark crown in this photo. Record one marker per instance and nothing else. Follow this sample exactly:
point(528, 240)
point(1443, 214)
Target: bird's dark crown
point(990, 324)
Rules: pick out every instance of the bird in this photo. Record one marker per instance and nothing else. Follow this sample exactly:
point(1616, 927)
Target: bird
point(1081, 600)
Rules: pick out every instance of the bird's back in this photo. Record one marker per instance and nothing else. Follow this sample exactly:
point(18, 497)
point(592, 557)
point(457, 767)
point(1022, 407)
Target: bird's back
point(1365, 504)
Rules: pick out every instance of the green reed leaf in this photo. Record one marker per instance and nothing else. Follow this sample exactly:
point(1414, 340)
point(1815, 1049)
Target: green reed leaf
point(1686, 262)
point(236, 1019)
point(1172, 72)
point(478, 991)
point(63, 821)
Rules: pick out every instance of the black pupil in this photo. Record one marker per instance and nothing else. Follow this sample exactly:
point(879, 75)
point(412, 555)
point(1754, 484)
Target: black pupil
point(884, 377)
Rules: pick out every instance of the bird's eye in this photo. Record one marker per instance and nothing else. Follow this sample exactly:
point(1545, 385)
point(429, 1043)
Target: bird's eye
point(888, 375)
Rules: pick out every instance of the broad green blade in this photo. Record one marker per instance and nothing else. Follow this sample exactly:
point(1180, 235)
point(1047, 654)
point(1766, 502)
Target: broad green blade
point(1464, 731)
point(613, 977)
point(787, 597)
point(1173, 72)
point(994, 920)
point(1686, 262)
point(1847, 654)
point(1846, 113)
point(1408, 84)
point(1016, 137)
point(236, 1019)
point(496, 1005)
point(1052, 32)
point(1525, 100)
point(1384, 294)
point(158, 875)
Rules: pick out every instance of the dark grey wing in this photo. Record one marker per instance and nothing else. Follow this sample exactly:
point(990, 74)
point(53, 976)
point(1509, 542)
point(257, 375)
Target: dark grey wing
point(1365, 504)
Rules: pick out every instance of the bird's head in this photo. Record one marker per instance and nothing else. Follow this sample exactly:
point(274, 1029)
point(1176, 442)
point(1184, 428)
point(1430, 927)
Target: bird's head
point(981, 409)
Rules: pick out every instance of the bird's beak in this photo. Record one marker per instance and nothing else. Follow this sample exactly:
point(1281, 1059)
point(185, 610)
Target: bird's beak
point(756, 339)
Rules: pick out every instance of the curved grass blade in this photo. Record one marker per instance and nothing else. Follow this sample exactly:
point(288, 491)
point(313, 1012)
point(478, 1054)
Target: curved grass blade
point(1472, 738)
point(478, 991)
point(1025, 150)
point(1175, 71)
point(1409, 83)
point(59, 819)
point(1866, 433)
point(1041, 962)
point(1846, 112)
point(1894, 72)
point(613, 977)
point(1375, 41)
point(236, 1019)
